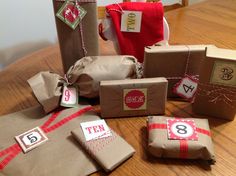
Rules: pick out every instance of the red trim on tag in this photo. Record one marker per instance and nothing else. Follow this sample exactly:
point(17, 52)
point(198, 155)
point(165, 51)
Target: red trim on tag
point(12, 151)
point(183, 149)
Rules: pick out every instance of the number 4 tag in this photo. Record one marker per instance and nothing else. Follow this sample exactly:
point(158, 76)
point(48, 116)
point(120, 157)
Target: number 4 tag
point(186, 87)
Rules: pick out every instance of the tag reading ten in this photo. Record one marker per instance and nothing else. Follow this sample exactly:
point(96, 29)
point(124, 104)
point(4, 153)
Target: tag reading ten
point(131, 21)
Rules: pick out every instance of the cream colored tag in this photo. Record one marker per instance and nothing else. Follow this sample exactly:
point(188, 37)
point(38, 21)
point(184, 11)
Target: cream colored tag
point(131, 21)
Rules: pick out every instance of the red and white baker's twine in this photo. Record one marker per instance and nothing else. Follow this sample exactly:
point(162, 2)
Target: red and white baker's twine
point(121, 11)
point(11, 152)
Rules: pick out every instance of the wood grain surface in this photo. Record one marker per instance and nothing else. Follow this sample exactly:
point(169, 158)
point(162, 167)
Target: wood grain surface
point(210, 22)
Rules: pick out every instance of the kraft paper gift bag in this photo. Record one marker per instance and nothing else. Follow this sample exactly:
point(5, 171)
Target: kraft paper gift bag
point(85, 74)
point(81, 41)
point(109, 152)
point(60, 155)
point(173, 62)
point(216, 93)
point(187, 138)
point(137, 97)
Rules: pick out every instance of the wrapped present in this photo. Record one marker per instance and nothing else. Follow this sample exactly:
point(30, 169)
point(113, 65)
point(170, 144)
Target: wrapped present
point(59, 155)
point(136, 25)
point(216, 93)
point(76, 23)
point(173, 62)
point(109, 151)
point(85, 74)
point(138, 97)
point(187, 138)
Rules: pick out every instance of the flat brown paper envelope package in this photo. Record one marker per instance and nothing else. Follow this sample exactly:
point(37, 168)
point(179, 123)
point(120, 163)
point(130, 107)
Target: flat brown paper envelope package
point(137, 97)
point(109, 152)
point(61, 155)
point(173, 62)
point(216, 93)
point(160, 146)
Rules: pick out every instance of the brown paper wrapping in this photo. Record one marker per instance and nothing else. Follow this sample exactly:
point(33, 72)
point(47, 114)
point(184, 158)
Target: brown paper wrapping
point(109, 152)
point(216, 96)
point(70, 40)
point(86, 73)
point(113, 93)
point(60, 156)
point(171, 62)
point(160, 146)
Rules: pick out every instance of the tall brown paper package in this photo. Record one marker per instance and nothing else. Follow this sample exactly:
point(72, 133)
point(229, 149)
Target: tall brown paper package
point(216, 93)
point(160, 146)
point(60, 155)
point(71, 40)
point(110, 152)
point(137, 97)
point(173, 62)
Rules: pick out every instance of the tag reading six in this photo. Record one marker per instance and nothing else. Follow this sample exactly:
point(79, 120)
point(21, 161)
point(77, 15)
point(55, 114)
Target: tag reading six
point(69, 96)
point(179, 129)
point(31, 139)
point(131, 21)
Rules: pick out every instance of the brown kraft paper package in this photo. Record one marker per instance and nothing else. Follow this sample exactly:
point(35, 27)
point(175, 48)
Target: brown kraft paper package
point(173, 62)
point(216, 93)
point(86, 74)
point(161, 146)
point(137, 97)
point(71, 40)
point(109, 152)
point(60, 155)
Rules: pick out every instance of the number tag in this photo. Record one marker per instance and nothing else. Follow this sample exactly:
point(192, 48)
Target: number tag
point(69, 96)
point(131, 21)
point(186, 87)
point(31, 139)
point(179, 129)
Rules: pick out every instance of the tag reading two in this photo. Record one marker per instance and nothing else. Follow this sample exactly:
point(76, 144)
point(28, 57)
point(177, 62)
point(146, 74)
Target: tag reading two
point(95, 130)
point(69, 96)
point(131, 21)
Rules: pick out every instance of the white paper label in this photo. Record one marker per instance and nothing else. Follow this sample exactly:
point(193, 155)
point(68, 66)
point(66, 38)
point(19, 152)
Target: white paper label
point(95, 130)
point(186, 88)
point(31, 139)
point(69, 97)
point(131, 21)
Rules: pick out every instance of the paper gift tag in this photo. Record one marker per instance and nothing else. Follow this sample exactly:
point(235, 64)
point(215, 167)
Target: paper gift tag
point(31, 139)
point(131, 21)
point(71, 13)
point(95, 130)
point(186, 87)
point(69, 96)
point(179, 129)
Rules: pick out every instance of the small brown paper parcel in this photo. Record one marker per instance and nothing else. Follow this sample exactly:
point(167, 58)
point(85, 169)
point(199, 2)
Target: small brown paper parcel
point(86, 74)
point(60, 155)
point(216, 92)
point(173, 62)
point(137, 97)
point(83, 40)
point(187, 138)
point(109, 152)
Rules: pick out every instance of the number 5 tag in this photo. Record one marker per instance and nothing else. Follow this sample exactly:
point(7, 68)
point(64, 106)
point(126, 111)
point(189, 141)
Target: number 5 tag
point(186, 87)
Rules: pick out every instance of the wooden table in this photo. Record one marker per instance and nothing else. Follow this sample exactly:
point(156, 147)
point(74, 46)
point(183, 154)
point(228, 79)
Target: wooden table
point(210, 22)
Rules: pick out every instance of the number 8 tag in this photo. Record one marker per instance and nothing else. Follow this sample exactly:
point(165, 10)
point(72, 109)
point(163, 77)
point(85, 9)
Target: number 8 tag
point(179, 129)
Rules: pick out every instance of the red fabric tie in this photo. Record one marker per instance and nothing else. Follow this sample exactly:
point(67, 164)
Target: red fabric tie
point(133, 43)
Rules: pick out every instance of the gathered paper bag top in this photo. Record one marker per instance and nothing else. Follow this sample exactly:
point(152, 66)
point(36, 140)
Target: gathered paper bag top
point(59, 156)
point(86, 74)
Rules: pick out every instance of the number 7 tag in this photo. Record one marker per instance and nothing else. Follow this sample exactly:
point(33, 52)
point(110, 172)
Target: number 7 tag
point(186, 87)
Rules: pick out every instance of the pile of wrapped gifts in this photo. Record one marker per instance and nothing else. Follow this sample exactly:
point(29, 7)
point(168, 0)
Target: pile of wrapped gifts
point(72, 139)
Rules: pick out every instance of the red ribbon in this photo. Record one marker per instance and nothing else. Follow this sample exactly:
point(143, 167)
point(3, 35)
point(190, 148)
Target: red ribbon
point(11, 152)
point(183, 143)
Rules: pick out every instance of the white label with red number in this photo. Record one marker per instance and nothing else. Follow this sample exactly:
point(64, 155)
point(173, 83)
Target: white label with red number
point(131, 21)
point(69, 96)
point(95, 130)
point(31, 139)
point(186, 88)
point(179, 129)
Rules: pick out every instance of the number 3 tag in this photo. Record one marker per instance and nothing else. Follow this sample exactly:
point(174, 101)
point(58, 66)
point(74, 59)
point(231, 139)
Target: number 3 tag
point(186, 87)
point(31, 139)
point(179, 129)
